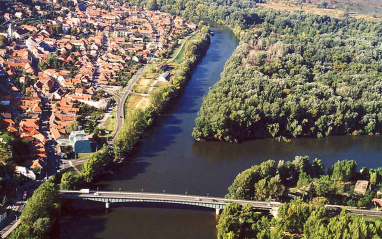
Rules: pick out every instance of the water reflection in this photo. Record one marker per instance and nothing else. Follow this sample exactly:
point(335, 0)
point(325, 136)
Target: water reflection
point(169, 159)
point(367, 150)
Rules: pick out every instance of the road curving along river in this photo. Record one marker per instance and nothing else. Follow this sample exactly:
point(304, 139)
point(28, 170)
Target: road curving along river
point(168, 159)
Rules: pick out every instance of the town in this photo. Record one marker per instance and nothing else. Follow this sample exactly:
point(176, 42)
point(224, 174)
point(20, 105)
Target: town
point(190, 119)
point(61, 75)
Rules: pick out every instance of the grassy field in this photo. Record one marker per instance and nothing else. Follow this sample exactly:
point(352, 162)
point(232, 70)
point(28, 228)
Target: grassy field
point(336, 11)
point(137, 102)
point(143, 84)
point(177, 56)
point(82, 156)
point(110, 123)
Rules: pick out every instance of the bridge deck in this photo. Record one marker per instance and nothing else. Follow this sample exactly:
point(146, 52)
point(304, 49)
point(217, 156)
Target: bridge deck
point(211, 202)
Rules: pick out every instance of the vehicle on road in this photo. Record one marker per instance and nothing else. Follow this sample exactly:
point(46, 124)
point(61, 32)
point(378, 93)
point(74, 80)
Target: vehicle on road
point(25, 195)
point(96, 194)
point(85, 190)
point(198, 199)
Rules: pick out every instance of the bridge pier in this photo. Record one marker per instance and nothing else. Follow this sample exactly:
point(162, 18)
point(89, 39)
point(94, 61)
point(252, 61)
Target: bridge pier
point(107, 205)
point(217, 211)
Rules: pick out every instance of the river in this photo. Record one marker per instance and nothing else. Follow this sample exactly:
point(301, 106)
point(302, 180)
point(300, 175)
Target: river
point(169, 160)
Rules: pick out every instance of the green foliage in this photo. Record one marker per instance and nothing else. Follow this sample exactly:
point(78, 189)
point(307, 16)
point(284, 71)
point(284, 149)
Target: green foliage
point(73, 126)
point(152, 5)
point(295, 219)
point(137, 122)
point(267, 189)
point(268, 181)
point(344, 170)
point(3, 41)
point(295, 75)
point(40, 215)
point(293, 215)
point(13, 149)
point(68, 181)
point(97, 164)
point(324, 187)
point(251, 224)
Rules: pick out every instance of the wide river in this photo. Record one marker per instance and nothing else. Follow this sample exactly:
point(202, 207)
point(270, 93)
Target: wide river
point(169, 160)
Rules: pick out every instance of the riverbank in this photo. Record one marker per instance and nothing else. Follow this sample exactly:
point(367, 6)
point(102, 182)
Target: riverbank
point(140, 117)
point(169, 159)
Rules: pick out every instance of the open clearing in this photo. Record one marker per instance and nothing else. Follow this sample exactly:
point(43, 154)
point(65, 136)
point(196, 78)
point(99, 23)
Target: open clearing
point(311, 8)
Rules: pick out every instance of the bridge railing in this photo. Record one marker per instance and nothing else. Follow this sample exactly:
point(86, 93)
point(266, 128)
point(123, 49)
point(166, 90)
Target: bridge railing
point(139, 194)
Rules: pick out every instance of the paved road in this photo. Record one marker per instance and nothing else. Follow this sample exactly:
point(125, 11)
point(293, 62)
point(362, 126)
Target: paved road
point(121, 101)
point(168, 197)
point(120, 116)
point(198, 199)
point(13, 218)
point(361, 212)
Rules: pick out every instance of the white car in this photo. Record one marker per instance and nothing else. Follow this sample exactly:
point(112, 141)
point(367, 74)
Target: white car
point(96, 194)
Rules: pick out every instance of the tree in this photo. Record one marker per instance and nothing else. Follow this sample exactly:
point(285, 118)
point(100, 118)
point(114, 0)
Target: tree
point(228, 224)
point(374, 178)
point(317, 168)
point(301, 164)
point(67, 181)
point(73, 126)
point(3, 41)
point(324, 186)
point(42, 65)
point(41, 227)
point(304, 185)
point(40, 214)
point(97, 163)
point(344, 170)
point(315, 226)
point(152, 5)
point(293, 215)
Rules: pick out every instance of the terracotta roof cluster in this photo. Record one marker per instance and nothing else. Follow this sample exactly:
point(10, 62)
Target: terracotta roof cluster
point(63, 113)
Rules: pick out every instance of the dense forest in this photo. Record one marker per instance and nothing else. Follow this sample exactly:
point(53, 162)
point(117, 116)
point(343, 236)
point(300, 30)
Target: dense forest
point(294, 75)
point(297, 75)
point(312, 185)
point(296, 219)
point(273, 180)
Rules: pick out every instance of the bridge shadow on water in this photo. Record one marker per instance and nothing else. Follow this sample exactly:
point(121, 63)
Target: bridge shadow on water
point(161, 206)
point(87, 219)
point(82, 219)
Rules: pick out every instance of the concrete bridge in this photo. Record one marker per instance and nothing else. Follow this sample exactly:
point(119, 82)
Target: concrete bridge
point(210, 202)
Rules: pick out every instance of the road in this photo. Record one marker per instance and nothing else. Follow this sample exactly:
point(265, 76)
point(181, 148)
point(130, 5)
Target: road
point(361, 212)
point(13, 218)
point(121, 104)
point(167, 197)
point(186, 199)
point(120, 117)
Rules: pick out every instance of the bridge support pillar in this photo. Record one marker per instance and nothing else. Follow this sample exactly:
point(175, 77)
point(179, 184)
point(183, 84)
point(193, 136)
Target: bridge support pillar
point(217, 211)
point(107, 205)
